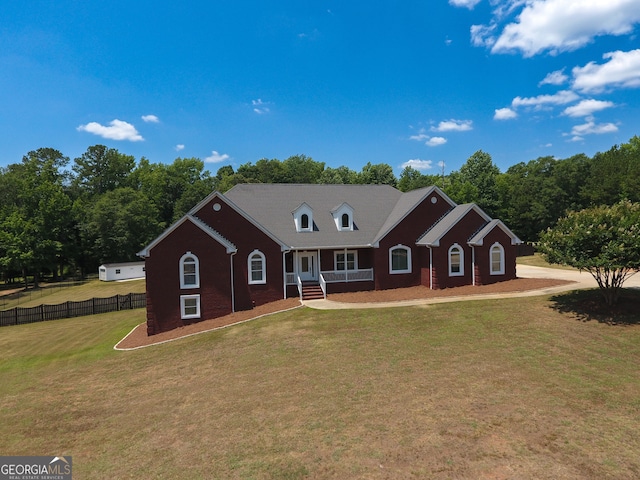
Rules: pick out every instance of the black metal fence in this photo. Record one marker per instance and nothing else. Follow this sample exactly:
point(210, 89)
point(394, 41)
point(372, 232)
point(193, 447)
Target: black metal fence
point(41, 313)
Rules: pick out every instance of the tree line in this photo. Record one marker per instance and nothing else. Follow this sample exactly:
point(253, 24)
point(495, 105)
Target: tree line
point(60, 217)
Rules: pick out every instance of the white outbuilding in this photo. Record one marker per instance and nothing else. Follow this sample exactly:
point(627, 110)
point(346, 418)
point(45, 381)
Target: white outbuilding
point(109, 272)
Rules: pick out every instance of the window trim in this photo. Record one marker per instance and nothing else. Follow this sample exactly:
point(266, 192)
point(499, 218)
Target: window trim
point(502, 259)
point(299, 213)
point(263, 269)
point(461, 262)
point(184, 285)
point(406, 249)
point(183, 306)
point(342, 221)
point(303, 217)
point(342, 213)
point(345, 261)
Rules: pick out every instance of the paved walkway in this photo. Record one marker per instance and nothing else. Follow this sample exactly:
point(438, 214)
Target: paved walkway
point(581, 279)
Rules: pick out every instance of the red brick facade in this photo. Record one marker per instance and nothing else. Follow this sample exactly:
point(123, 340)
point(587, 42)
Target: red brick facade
point(223, 238)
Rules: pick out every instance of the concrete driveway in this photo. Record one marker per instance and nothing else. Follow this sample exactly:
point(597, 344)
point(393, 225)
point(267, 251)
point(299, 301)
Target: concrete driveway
point(581, 279)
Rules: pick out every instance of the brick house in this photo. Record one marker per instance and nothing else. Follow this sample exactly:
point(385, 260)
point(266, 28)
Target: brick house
point(259, 243)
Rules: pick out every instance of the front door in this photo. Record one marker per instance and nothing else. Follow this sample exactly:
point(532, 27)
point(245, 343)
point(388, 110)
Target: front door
point(308, 266)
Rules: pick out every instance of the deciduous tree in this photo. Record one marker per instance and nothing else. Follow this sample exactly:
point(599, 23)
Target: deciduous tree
point(604, 241)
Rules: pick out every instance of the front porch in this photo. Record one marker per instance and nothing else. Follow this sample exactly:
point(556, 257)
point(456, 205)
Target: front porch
point(312, 267)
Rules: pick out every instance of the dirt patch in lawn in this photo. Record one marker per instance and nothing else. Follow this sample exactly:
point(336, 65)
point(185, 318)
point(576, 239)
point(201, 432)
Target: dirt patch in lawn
point(139, 338)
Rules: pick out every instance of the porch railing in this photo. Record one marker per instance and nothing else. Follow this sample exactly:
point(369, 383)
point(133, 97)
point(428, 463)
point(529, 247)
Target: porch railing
point(323, 285)
point(335, 276)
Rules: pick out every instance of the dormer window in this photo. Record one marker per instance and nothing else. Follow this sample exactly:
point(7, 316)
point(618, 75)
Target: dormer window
point(343, 217)
point(303, 218)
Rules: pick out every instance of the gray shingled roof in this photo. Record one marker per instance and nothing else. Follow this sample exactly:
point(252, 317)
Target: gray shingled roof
point(440, 229)
point(376, 209)
point(478, 238)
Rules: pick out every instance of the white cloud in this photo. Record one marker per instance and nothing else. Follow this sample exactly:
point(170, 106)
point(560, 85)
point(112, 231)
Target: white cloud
point(216, 157)
point(464, 3)
point(587, 107)
point(554, 78)
point(260, 107)
point(420, 137)
point(436, 141)
point(179, 147)
point(453, 126)
point(565, 25)
point(561, 98)
point(117, 130)
point(482, 35)
point(621, 70)
point(504, 114)
point(150, 119)
point(418, 164)
point(591, 128)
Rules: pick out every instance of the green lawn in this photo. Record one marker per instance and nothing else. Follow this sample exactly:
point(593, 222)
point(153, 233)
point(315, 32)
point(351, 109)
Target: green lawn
point(537, 260)
point(53, 294)
point(486, 389)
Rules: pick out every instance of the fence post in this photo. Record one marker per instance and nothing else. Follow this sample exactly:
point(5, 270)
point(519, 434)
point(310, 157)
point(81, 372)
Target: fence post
point(15, 311)
point(93, 306)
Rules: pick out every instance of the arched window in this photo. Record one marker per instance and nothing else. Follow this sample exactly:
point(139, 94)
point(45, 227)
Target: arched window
point(456, 261)
point(304, 222)
point(346, 222)
point(189, 271)
point(400, 259)
point(496, 259)
point(257, 266)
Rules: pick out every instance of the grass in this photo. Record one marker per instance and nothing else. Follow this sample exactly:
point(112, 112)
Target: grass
point(54, 294)
point(490, 389)
point(537, 260)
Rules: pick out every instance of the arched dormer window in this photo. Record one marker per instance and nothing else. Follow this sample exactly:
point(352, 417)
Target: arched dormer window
point(257, 267)
point(400, 259)
point(343, 217)
point(456, 261)
point(496, 259)
point(303, 218)
point(189, 271)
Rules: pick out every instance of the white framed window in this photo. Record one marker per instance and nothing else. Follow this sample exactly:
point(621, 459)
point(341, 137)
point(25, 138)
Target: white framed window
point(343, 218)
point(496, 259)
point(257, 267)
point(189, 306)
point(400, 259)
point(344, 262)
point(456, 261)
point(189, 271)
point(303, 218)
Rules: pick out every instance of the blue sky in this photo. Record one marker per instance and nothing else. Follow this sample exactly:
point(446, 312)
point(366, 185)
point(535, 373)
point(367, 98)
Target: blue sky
point(407, 82)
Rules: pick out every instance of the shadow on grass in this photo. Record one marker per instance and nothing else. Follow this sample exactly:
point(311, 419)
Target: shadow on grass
point(587, 305)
